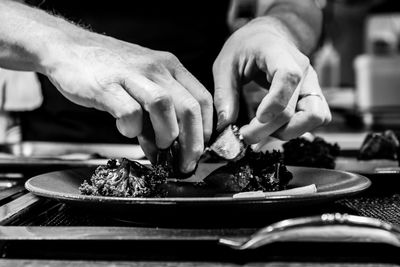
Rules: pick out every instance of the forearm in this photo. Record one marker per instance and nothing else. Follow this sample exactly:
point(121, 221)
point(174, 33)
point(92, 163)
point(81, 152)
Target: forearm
point(302, 20)
point(30, 39)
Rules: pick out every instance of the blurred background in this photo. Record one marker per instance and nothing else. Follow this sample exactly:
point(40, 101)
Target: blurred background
point(357, 61)
point(358, 64)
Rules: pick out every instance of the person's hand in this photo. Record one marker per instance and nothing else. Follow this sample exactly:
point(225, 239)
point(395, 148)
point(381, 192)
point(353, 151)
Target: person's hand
point(264, 51)
point(142, 89)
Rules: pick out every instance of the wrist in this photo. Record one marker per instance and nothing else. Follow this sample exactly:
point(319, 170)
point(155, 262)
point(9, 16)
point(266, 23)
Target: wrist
point(62, 45)
point(276, 26)
point(49, 51)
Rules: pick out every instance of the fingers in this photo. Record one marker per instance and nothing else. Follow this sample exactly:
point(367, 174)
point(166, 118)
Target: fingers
point(257, 131)
point(203, 97)
point(149, 148)
point(191, 139)
point(302, 121)
point(147, 140)
point(163, 118)
point(125, 109)
point(309, 112)
point(312, 110)
point(284, 83)
point(226, 96)
point(174, 113)
point(159, 104)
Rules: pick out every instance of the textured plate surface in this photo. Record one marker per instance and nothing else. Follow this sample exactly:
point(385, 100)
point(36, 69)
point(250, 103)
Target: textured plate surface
point(364, 167)
point(192, 204)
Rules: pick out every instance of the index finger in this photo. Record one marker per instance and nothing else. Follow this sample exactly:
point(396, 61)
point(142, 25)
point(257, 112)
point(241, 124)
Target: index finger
point(312, 111)
point(200, 93)
point(256, 131)
point(159, 105)
point(285, 80)
point(226, 95)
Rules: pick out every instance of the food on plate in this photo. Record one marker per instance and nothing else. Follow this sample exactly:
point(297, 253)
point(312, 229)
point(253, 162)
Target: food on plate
point(310, 153)
point(380, 145)
point(229, 144)
point(255, 171)
point(125, 178)
point(246, 170)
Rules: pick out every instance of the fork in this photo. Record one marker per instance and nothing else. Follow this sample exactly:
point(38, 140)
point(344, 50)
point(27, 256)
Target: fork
point(327, 227)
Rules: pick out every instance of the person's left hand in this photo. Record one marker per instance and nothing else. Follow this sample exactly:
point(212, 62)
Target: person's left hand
point(264, 51)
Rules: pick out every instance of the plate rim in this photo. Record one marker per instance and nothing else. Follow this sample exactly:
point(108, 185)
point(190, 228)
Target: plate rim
point(365, 184)
point(344, 161)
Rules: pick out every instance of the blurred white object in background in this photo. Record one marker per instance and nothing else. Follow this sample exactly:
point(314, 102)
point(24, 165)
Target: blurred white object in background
point(377, 82)
point(19, 91)
point(327, 66)
point(382, 28)
point(378, 72)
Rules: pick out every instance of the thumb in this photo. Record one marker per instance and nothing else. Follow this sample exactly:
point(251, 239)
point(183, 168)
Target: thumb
point(226, 93)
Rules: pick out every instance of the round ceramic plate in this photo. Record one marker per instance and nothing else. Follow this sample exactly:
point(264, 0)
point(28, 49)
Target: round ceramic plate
point(193, 204)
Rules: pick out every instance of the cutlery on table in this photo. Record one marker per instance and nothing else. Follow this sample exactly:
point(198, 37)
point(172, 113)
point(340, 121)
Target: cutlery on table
point(324, 228)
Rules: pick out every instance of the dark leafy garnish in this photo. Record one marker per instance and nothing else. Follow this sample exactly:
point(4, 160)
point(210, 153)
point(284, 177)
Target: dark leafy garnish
point(125, 178)
point(317, 153)
point(255, 171)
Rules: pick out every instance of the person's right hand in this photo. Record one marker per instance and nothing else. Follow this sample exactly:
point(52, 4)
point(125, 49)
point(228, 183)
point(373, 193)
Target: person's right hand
point(140, 87)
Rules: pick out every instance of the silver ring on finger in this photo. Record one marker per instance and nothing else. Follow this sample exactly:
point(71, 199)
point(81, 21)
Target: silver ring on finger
point(301, 96)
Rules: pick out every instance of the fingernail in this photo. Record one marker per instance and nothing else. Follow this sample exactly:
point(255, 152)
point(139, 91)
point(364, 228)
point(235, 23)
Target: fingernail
point(221, 120)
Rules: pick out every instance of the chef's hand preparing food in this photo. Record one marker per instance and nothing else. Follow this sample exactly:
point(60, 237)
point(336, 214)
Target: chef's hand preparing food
point(271, 50)
point(152, 96)
point(123, 79)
